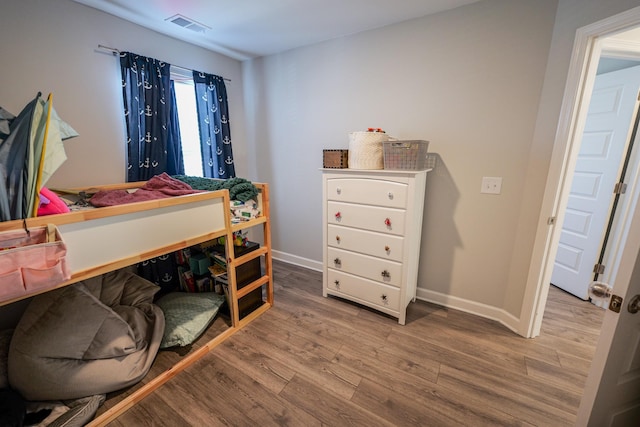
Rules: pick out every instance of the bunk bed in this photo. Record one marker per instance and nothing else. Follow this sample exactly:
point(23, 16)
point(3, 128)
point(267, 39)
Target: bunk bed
point(94, 241)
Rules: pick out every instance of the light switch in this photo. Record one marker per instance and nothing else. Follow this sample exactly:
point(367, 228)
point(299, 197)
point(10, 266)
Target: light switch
point(491, 184)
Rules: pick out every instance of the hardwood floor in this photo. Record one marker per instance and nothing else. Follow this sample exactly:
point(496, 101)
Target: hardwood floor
point(312, 361)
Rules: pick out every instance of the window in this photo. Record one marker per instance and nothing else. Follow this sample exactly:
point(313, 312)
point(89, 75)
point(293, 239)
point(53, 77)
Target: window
point(219, 156)
point(187, 115)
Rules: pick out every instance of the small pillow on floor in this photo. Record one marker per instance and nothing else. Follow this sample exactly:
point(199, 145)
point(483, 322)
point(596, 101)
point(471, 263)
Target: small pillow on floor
point(187, 315)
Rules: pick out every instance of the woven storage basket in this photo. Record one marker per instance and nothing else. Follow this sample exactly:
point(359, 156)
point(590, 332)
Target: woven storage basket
point(365, 150)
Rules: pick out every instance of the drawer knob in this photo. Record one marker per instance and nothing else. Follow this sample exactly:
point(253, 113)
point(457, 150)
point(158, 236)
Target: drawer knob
point(387, 249)
point(339, 190)
point(337, 262)
point(338, 216)
point(390, 194)
point(387, 222)
point(337, 283)
point(386, 274)
point(338, 239)
point(384, 299)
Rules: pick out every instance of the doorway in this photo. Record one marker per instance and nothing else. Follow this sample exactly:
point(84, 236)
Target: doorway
point(588, 47)
point(590, 230)
point(613, 352)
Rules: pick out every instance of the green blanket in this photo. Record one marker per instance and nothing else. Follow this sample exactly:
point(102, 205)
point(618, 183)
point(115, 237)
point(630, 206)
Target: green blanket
point(239, 188)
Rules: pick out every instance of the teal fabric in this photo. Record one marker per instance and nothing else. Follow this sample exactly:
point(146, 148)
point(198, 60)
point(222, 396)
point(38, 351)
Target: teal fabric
point(187, 315)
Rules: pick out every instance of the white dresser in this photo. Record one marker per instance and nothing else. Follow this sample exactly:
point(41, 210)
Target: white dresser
point(372, 223)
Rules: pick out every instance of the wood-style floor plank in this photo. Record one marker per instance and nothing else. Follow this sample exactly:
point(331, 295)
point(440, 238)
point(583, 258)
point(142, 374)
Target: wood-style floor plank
point(329, 409)
point(315, 361)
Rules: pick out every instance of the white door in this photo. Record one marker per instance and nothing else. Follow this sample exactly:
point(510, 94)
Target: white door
point(612, 391)
point(597, 170)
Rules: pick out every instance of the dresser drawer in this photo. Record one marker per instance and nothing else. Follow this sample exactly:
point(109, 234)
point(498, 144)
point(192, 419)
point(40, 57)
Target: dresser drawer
point(383, 220)
point(377, 192)
point(363, 290)
point(381, 245)
point(387, 272)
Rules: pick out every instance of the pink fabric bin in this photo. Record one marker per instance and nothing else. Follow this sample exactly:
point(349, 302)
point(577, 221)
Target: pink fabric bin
point(31, 261)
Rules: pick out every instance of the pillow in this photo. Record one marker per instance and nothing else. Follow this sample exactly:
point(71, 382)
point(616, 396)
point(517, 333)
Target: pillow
point(187, 315)
point(52, 203)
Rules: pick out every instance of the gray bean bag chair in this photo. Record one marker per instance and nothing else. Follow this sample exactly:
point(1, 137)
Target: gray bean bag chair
point(89, 338)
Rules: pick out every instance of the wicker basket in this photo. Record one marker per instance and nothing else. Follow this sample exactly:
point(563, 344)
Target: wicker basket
point(365, 150)
point(405, 155)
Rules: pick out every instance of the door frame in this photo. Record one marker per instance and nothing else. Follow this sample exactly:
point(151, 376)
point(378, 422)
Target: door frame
point(586, 53)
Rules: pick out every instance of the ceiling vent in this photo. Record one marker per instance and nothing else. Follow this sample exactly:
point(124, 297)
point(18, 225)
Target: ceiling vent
point(188, 23)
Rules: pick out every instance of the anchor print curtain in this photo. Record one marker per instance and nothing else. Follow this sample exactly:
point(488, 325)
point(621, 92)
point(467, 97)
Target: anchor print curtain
point(213, 123)
point(175, 159)
point(147, 98)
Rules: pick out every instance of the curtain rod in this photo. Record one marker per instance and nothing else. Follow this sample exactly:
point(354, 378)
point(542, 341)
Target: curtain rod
point(114, 51)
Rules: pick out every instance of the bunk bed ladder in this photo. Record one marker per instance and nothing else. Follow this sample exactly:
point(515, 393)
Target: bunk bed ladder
point(266, 278)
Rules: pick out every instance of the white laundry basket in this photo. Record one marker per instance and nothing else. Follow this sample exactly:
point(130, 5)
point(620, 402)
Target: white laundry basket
point(365, 149)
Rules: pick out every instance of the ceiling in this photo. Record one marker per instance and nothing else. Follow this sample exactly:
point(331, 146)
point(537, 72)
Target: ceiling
point(244, 29)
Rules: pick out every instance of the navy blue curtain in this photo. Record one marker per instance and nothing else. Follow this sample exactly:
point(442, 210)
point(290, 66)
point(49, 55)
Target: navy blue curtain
point(162, 270)
point(213, 123)
point(175, 161)
point(146, 94)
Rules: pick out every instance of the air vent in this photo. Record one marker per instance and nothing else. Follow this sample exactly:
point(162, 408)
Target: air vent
point(188, 23)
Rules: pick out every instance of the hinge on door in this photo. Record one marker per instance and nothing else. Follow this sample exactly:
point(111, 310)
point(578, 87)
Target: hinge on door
point(598, 268)
point(620, 188)
point(551, 220)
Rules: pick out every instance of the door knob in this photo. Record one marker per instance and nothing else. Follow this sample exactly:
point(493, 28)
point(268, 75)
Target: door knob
point(634, 304)
point(599, 291)
point(602, 292)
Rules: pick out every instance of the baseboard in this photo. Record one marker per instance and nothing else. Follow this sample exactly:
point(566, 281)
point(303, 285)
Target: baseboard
point(499, 315)
point(296, 260)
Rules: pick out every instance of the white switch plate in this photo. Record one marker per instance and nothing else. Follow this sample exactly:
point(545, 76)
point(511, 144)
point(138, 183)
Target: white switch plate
point(491, 184)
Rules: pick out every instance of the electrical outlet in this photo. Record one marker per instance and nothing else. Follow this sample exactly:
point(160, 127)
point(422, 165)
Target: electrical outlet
point(491, 185)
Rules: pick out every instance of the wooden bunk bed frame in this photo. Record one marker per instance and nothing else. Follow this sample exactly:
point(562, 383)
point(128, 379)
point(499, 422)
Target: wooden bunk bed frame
point(153, 228)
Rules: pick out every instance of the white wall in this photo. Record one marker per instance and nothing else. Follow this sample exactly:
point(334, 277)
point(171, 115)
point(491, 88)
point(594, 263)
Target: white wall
point(468, 80)
point(52, 47)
